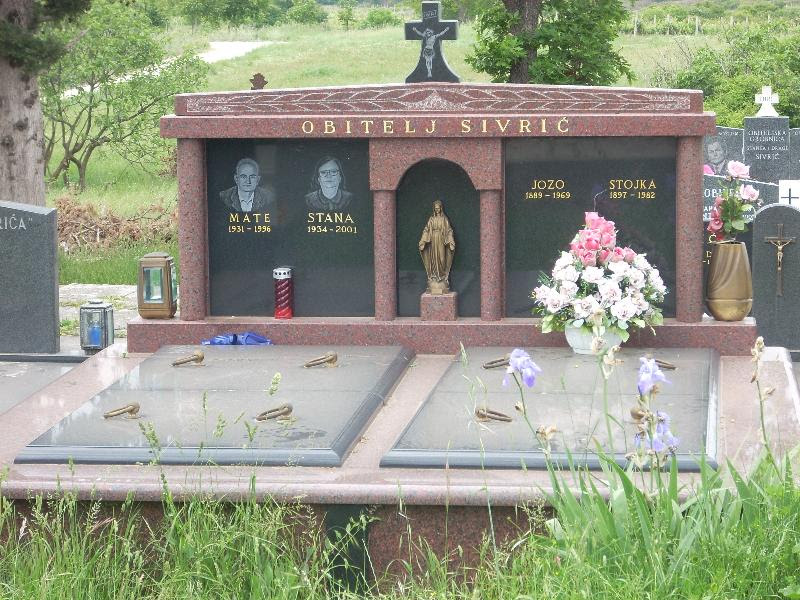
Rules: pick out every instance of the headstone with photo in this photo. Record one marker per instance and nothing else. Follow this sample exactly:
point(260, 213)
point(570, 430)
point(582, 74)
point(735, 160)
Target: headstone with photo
point(776, 275)
point(28, 279)
point(304, 204)
point(768, 146)
point(722, 148)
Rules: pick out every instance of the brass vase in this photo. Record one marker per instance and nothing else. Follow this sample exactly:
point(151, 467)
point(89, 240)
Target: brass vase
point(729, 289)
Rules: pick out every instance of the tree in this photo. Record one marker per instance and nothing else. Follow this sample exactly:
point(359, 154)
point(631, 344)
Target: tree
point(551, 41)
point(111, 89)
point(25, 50)
point(306, 12)
point(197, 12)
point(346, 13)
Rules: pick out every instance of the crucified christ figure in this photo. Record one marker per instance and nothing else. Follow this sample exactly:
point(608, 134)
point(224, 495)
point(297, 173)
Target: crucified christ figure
point(428, 40)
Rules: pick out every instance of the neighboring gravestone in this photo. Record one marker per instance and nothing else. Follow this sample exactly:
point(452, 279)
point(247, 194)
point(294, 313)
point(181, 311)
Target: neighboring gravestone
point(722, 148)
point(712, 187)
point(794, 153)
point(305, 204)
point(28, 279)
point(432, 65)
point(789, 191)
point(766, 147)
point(776, 275)
point(552, 182)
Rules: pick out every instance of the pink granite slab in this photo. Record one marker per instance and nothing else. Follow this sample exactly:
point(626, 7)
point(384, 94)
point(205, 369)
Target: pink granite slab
point(429, 336)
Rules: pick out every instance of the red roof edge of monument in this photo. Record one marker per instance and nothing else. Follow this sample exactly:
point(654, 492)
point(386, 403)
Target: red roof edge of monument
point(453, 98)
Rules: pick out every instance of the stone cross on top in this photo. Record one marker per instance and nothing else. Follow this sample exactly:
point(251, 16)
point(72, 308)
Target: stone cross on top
point(431, 30)
point(766, 99)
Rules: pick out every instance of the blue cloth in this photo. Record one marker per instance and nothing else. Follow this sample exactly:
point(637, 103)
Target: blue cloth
point(248, 338)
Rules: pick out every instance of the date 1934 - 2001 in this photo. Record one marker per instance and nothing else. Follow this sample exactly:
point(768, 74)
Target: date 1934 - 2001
point(331, 222)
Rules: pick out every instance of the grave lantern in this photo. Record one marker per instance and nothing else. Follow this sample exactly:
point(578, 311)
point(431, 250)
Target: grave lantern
point(96, 326)
point(158, 286)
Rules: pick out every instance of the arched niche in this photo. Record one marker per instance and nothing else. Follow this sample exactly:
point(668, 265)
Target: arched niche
point(426, 181)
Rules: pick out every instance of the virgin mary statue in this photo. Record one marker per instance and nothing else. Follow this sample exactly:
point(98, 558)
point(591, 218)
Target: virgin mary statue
point(436, 247)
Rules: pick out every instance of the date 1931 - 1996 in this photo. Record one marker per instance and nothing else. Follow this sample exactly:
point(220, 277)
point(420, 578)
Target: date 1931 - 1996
point(249, 228)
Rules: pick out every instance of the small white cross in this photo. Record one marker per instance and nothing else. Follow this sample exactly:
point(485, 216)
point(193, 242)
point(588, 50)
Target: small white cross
point(789, 191)
point(766, 99)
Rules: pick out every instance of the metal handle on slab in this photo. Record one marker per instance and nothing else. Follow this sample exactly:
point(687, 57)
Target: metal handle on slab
point(131, 410)
point(496, 363)
point(487, 414)
point(665, 365)
point(284, 410)
point(328, 359)
point(194, 357)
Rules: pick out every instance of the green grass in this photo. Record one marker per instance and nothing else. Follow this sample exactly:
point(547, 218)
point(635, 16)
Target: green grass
point(116, 265)
point(646, 52)
point(735, 540)
point(116, 185)
point(305, 56)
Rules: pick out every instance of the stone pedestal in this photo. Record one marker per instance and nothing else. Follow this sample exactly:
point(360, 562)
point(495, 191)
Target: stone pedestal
point(438, 307)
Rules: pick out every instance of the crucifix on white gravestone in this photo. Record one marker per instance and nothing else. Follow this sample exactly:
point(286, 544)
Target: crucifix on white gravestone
point(767, 100)
point(789, 191)
point(431, 30)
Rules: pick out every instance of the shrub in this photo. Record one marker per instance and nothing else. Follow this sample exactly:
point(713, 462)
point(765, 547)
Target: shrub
point(307, 12)
point(377, 18)
point(731, 76)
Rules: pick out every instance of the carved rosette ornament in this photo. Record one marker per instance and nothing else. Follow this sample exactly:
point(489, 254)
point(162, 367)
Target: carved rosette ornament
point(436, 248)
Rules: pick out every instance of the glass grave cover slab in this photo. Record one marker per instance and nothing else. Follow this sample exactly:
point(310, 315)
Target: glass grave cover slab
point(205, 413)
point(569, 395)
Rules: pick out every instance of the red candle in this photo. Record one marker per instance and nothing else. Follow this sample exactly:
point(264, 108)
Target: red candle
point(284, 292)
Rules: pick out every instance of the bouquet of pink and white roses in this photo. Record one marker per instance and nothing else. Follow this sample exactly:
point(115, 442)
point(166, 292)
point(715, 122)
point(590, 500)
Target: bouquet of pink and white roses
point(734, 206)
point(597, 284)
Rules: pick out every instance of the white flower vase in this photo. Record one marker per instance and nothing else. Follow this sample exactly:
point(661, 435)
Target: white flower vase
point(580, 339)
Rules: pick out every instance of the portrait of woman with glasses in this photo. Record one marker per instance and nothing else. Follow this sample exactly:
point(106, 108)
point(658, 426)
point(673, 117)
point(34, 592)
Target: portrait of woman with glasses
point(328, 186)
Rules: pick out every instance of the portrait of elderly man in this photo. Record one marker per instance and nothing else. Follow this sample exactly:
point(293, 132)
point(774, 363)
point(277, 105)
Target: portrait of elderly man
point(328, 186)
point(717, 160)
point(247, 195)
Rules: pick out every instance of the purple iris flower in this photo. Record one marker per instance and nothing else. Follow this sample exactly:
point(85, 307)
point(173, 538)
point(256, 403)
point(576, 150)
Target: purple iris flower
point(662, 422)
point(649, 375)
point(670, 441)
point(520, 362)
point(660, 442)
point(643, 440)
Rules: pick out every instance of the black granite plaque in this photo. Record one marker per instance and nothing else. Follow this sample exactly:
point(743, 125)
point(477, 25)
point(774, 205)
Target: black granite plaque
point(766, 147)
point(722, 148)
point(425, 182)
point(568, 395)
point(775, 293)
point(794, 148)
point(303, 204)
point(550, 183)
point(28, 279)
